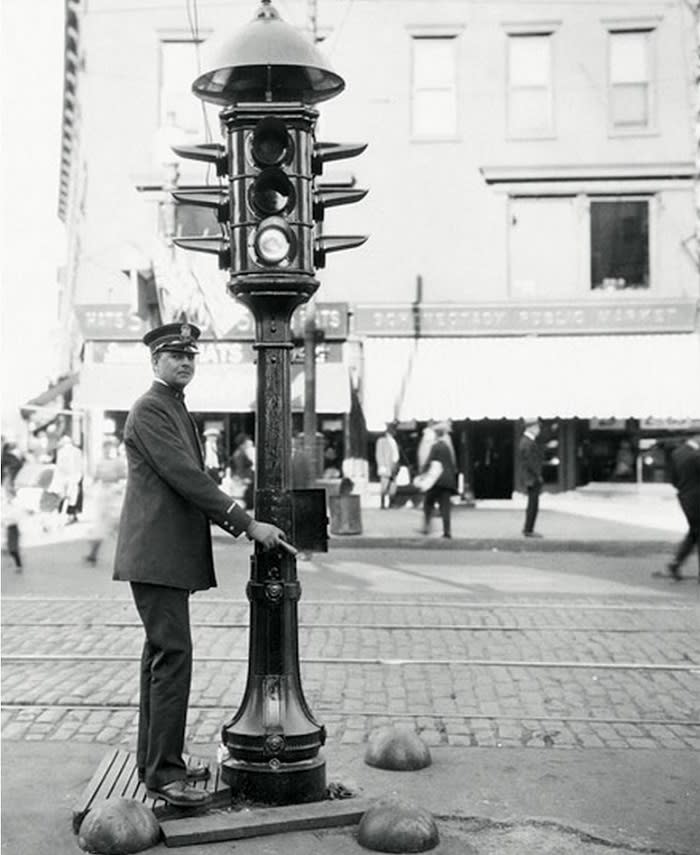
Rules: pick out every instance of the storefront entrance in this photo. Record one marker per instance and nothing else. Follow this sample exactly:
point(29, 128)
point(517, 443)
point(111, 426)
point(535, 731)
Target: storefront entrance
point(491, 452)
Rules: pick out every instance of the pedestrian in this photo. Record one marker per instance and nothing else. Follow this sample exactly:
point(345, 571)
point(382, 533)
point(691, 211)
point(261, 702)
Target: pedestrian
point(386, 455)
point(108, 490)
point(531, 457)
point(68, 479)
point(301, 465)
point(164, 550)
point(685, 476)
point(426, 443)
point(243, 468)
point(11, 521)
point(439, 480)
point(212, 460)
point(12, 461)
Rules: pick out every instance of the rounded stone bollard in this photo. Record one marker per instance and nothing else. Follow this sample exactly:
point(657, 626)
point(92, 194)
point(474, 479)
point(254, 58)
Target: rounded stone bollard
point(396, 749)
point(393, 825)
point(118, 827)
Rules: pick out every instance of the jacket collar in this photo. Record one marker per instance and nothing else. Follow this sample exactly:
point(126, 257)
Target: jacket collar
point(160, 387)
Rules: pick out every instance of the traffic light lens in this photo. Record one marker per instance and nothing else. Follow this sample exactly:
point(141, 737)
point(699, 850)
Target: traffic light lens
point(272, 193)
point(271, 142)
point(272, 244)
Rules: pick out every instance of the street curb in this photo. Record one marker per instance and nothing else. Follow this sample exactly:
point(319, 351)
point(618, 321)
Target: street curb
point(599, 547)
point(611, 547)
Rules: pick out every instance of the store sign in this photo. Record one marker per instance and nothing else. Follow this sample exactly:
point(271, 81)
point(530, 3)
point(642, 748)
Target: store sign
point(109, 321)
point(114, 321)
point(670, 424)
point(210, 353)
point(600, 317)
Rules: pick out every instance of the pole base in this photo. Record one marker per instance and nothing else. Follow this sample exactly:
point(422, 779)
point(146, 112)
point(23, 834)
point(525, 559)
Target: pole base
point(277, 783)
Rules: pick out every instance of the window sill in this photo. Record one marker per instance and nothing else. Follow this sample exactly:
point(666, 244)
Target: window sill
point(626, 133)
point(422, 140)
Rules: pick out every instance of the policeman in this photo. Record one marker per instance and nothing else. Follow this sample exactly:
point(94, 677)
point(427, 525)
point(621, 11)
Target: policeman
point(164, 551)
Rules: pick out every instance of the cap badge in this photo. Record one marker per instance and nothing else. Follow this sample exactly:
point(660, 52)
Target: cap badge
point(186, 331)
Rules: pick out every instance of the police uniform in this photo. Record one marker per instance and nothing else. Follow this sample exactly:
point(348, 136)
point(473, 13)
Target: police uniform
point(164, 550)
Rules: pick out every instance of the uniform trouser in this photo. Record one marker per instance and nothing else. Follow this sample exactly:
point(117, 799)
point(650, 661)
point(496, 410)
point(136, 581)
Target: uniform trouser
point(443, 496)
point(692, 538)
point(166, 672)
point(533, 505)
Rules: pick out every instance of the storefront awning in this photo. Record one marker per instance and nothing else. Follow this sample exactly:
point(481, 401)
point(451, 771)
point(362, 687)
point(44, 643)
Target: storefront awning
point(215, 388)
point(620, 376)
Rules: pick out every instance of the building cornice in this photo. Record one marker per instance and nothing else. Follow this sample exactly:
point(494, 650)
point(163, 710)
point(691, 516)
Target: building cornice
point(71, 60)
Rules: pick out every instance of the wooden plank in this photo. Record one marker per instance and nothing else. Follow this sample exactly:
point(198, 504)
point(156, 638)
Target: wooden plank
point(89, 794)
point(122, 783)
point(106, 788)
point(235, 825)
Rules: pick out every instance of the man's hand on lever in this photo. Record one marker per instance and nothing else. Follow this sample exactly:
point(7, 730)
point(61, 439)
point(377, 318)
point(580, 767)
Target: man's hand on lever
point(268, 536)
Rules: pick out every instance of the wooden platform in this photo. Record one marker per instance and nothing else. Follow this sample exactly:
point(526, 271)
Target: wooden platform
point(218, 825)
point(117, 777)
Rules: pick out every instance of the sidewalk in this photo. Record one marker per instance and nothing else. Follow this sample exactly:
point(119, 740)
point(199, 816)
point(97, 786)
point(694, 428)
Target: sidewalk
point(598, 518)
point(486, 801)
point(614, 518)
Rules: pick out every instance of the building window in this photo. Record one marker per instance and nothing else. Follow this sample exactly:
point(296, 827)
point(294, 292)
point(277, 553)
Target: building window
point(178, 69)
point(620, 243)
point(434, 95)
point(530, 85)
point(630, 80)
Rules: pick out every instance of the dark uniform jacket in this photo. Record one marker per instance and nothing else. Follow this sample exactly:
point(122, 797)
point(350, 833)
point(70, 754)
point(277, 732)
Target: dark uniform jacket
point(531, 459)
point(164, 536)
point(685, 475)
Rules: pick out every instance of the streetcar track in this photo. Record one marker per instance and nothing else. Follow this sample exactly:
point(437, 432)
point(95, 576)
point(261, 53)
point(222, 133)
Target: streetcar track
point(82, 624)
point(38, 658)
point(369, 713)
point(414, 603)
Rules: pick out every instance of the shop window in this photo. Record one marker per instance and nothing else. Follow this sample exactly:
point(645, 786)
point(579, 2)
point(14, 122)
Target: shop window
point(530, 85)
point(630, 88)
point(434, 87)
point(620, 243)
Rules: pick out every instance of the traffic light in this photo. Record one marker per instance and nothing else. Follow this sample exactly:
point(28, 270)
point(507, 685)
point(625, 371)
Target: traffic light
point(271, 225)
point(272, 210)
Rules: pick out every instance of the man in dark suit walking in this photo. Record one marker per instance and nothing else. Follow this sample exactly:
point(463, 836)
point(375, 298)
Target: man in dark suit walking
point(164, 551)
point(442, 466)
point(531, 458)
point(685, 476)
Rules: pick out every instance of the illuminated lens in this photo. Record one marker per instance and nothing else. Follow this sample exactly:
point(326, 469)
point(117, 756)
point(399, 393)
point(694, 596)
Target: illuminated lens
point(272, 244)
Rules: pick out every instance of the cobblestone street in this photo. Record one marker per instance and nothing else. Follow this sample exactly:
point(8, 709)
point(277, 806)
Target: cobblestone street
point(511, 652)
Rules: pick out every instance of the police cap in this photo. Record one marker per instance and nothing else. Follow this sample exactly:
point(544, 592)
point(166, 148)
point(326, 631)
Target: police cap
point(180, 337)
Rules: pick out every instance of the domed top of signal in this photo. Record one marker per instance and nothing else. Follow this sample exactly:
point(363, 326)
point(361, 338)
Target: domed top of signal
point(268, 60)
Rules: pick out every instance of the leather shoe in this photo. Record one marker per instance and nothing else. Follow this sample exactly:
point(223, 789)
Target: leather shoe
point(532, 534)
point(180, 794)
point(195, 771)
